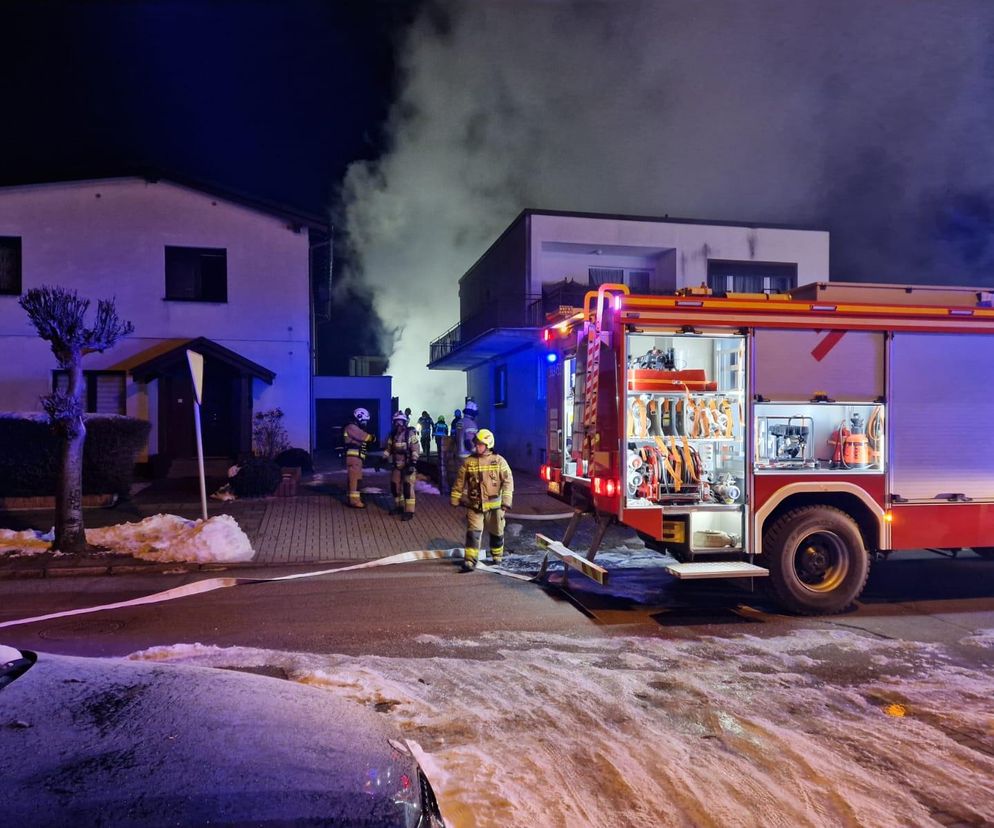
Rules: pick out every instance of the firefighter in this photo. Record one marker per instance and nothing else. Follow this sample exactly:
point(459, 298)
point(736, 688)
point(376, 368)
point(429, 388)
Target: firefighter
point(443, 444)
point(427, 430)
point(357, 440)
point(486, 486)
point(470, 413)
point(403, 450)
point(456, 427)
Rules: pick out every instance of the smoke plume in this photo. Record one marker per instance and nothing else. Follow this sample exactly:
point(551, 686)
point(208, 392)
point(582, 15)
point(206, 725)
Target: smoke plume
point(869, 118)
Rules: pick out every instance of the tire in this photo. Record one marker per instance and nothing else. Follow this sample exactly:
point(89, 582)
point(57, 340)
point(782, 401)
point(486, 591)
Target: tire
point(985, 552)
point(818, 564)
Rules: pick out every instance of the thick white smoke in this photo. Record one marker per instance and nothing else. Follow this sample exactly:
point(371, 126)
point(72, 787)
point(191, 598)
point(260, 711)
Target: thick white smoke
point(871, 118)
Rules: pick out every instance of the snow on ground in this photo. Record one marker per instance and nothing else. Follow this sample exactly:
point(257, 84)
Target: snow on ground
point(814, 728)
point(156, 538)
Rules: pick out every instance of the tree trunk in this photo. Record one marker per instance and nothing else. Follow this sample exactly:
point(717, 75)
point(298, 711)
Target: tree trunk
point(70, 534)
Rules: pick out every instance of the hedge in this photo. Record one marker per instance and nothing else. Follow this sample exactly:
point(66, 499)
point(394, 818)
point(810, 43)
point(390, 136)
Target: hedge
point(29, 454)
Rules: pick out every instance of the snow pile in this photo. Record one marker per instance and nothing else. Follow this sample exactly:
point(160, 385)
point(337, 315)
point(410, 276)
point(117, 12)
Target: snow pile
point(814, 728)
point(156, 538)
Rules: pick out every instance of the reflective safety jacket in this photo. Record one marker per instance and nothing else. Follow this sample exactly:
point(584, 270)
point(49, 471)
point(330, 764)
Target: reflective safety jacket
point(356, 441)
point(403, 447)
point(484, 483)
point(441, 429)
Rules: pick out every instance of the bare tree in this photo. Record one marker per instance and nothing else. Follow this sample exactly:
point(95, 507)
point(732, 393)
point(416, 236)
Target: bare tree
point(58, 316)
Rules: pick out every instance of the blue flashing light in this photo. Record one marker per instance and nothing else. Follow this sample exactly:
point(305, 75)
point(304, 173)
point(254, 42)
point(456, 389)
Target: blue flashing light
point(551, 357)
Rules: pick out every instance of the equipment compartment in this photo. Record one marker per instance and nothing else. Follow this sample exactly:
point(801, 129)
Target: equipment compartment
point(684, 422)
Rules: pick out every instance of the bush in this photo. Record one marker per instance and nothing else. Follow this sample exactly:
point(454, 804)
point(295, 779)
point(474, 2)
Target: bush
point(29, 454)
point(295, 457)
point(268, 433)
point(257, 477)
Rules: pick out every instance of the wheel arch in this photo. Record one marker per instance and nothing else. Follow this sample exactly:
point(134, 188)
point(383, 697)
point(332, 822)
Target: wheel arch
point(846, 497)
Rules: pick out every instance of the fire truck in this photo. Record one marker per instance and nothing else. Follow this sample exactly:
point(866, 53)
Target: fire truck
point(792, 437)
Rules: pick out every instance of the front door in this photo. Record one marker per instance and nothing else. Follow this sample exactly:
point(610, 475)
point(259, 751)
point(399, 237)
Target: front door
point(219, 415)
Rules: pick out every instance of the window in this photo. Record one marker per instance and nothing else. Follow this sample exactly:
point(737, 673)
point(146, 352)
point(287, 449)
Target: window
point(197, 274)
point(104, 392)
point(10, 265)
point(603, 275)
point(751, 277)
point(500, 385)
point(638, 281)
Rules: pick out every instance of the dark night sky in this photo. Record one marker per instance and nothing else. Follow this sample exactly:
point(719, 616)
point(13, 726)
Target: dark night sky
point(271, 99)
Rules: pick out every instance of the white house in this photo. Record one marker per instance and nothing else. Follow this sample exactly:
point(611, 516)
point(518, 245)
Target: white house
point(545, 259)
point(191, 268)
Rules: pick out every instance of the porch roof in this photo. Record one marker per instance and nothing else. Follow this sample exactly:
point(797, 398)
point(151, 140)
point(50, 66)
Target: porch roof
point(157, 365)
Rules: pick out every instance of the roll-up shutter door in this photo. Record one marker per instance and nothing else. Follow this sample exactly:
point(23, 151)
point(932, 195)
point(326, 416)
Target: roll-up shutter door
point(848, 366)
point(941, 412)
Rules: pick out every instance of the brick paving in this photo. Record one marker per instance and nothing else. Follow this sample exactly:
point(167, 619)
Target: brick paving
point(312, 526)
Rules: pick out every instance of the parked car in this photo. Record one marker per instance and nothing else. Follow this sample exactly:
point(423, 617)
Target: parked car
point(122, 742)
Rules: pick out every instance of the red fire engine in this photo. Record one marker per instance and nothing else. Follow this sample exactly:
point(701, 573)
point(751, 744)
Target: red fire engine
point(791, 436)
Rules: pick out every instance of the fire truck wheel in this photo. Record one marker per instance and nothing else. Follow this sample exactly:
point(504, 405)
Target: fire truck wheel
point(816, 559)
point(985, 552)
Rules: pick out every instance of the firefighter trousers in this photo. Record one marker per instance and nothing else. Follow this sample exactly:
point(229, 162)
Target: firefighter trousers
point(354, 467)
point(402, 486)
point(492, 521)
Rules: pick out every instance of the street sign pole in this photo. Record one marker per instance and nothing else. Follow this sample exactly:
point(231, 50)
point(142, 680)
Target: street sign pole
point(196, 362)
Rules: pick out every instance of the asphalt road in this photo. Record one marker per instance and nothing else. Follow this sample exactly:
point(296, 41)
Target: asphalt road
point(398, 610)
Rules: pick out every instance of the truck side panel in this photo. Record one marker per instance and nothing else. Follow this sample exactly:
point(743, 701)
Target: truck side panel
point(942, 417)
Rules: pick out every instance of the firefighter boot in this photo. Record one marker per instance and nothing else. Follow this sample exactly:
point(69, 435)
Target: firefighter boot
point(497, 553)
point(407, 516)
point(469, 562)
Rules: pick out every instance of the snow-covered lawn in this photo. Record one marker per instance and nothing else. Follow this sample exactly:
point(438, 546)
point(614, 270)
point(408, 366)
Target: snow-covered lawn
point(814, 728)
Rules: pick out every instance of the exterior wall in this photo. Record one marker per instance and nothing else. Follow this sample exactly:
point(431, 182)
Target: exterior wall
point(106, 239)
point(560, 247)
point(518, 425)
point(494, 288)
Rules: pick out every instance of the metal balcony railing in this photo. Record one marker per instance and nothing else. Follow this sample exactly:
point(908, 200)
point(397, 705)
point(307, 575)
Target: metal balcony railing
point(529, 312)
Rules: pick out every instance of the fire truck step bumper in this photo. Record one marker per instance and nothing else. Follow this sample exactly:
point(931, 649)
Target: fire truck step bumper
point(716, 569)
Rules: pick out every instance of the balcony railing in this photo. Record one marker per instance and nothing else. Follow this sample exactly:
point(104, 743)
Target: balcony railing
point(529, 312)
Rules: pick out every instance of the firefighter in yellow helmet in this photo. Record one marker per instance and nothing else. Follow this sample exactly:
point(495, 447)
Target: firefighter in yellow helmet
point(486, 487)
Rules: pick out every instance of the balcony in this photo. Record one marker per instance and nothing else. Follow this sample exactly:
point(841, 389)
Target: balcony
point(505, 327)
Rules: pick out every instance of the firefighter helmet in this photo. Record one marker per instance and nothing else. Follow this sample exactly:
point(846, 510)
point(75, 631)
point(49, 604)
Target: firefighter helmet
point(457, 414)
point(485, 436)
point(441, 418)
point(471, 408)
point(400, 417)
point(360, 415)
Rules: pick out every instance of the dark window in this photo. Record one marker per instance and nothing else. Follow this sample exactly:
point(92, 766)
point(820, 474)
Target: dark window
point(751, 277)
point(197, 274)
point(500, 385)
point(10, 265)
point(104, 392)
point(603, 275)
point(638, 281)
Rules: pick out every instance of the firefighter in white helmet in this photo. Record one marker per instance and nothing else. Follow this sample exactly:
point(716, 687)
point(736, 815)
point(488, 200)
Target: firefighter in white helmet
point(357, 440)
point(486, 486)
point(403, 451)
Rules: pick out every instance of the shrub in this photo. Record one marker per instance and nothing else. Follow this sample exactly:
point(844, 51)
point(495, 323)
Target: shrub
point(29, 454)
point(257, 477)
point(295, 457)
point(268, 433)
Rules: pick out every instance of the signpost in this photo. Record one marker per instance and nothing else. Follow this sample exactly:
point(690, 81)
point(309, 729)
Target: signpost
point(197, 373)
